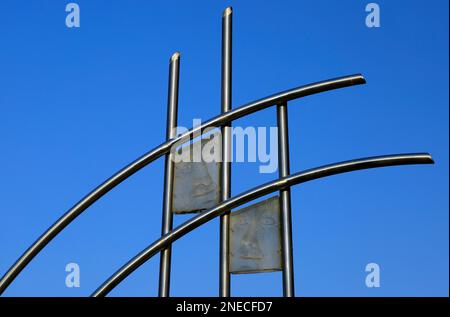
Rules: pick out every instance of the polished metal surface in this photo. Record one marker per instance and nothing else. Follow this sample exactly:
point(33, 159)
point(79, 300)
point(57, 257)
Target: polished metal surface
point(167, 220)
point(224, 261)
point(159, 151)
point(305, 176)
point(285, 201)
point(197, 175)
point(255, 238)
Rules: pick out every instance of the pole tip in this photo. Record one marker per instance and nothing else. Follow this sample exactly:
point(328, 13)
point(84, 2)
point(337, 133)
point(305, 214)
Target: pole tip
point(227, 11)
point(175, 56)
point(429, 158)
point(363, 79)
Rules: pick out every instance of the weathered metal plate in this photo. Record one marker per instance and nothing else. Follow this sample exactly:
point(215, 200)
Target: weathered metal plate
point(196, 180)
point(255, 238)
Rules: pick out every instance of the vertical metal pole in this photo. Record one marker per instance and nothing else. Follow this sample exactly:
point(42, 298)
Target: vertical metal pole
point(285, 202)
point(167, 218)
point(224, 277)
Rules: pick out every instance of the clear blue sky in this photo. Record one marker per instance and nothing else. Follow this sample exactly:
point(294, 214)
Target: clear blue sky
point(79, 104)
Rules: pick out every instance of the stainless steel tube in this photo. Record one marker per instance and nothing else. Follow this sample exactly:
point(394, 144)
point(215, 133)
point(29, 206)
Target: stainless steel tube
point(167, 217)
point(301, 177)
point(224, 265)
point(159, 151)
point(285, 202)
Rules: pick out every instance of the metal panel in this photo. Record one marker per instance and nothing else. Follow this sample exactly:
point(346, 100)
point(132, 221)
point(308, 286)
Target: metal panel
point(196, 180)
point(255, 238)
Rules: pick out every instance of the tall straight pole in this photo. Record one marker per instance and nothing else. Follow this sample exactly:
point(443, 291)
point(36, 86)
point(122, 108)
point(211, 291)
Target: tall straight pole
point(224, 277)
point(167, 218)
point(285, 201)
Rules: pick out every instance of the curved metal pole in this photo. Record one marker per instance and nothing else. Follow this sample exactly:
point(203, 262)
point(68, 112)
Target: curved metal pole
point(286, 182)
point(160, 150)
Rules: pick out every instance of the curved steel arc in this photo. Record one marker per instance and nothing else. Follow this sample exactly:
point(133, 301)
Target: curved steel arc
point(162, 149)
point(285, 182)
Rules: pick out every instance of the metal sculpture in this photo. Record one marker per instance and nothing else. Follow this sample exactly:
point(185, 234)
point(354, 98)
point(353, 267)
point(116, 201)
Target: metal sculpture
point(227, 203)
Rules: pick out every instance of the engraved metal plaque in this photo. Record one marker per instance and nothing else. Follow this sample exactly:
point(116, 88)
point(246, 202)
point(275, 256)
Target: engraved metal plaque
point(196, 177)
point(255, 238)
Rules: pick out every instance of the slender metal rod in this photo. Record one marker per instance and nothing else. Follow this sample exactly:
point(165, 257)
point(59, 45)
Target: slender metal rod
point(301, 177)
point(285, 202)
point(224, 266)
point(159, 151)
point(167, 217)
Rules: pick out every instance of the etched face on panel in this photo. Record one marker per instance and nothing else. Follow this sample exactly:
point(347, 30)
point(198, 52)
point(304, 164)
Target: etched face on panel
point(255, 238)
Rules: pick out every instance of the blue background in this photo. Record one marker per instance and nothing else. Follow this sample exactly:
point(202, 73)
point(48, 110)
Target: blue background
point(78, 104)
